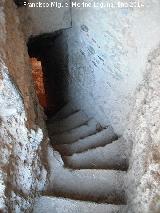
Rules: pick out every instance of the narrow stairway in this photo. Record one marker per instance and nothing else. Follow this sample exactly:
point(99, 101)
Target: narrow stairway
point(88, 168)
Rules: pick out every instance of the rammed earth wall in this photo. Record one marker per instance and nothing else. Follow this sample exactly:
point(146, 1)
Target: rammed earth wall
point(23, 138)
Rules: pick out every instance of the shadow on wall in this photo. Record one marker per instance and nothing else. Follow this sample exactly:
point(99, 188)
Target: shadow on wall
point(47, 49)
point(20, 3)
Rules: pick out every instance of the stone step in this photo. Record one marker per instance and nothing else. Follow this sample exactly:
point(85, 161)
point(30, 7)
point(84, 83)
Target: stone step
point(75, 120)
point(101, 138)
point(75, 134)
point(61, 205)
point(105, 186)
point(111, 156)
point(64, 112)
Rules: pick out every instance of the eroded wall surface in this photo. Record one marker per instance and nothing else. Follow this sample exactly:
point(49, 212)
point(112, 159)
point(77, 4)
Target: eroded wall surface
point(143, 133)
point(24, 143)
point(108, 50)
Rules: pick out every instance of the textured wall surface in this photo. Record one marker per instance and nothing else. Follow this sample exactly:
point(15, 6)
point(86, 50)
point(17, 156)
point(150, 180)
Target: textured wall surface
point(108, 50)
point(23, 168)
point(144, 131)
point(45, 19)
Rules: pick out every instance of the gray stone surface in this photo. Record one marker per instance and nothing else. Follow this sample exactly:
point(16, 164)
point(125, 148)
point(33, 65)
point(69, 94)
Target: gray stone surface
point(95, 139)
point(108, 50)
point(22, 134)
point(71, 122)
point(88, 184)
point(77, 133)
point(112, 156)
point(62, 205)
point(43, 19)
point(143, 133)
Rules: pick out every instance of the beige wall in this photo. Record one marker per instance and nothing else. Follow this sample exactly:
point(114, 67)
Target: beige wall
point(108, 51)
point(143, 133)
point(39, 20)
point(22, 134)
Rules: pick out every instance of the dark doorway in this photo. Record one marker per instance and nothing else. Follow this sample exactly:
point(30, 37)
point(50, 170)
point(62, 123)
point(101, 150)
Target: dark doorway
point(54, 67)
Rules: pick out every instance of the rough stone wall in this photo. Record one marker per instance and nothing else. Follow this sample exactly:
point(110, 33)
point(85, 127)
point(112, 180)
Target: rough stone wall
point(108, 50)
point(143, 134)
point(23, 147)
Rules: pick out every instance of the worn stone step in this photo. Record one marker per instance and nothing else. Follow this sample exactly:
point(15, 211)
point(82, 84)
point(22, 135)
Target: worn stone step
point(73, 135)
point(111, 156)
point(105, 186)
point(75, 120)
point(101, 138)
point(89, 184)
point(64, 112)
point(47, 204)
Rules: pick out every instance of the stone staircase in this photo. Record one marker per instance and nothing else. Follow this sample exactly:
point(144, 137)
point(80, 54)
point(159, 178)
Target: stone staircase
point(88, 168)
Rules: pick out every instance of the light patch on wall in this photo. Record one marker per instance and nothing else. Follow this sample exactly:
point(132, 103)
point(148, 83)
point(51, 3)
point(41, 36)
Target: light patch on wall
point(2, 192)
point(39, 81)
